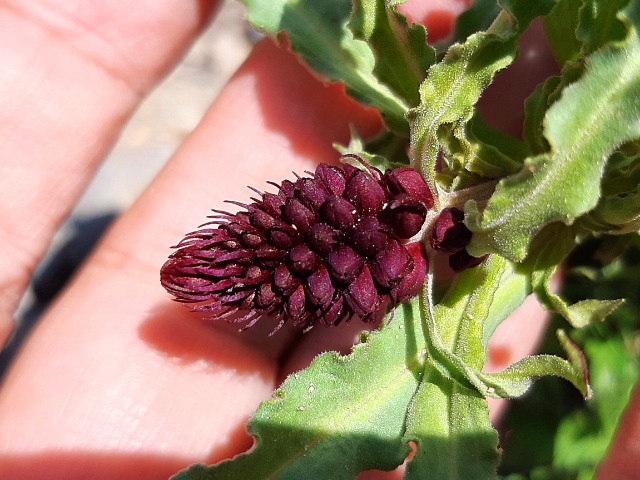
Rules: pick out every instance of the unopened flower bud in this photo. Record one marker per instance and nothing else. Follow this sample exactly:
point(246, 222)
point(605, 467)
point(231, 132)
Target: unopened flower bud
point(411, 284)
point(450, 234)
point(405, 215)
point(462, 260)
point(407, 180)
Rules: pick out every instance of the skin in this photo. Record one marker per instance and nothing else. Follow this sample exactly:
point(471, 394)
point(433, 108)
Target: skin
point(117, 381)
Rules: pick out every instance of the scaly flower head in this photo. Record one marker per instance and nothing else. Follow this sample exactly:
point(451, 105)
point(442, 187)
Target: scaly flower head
point(322, 249)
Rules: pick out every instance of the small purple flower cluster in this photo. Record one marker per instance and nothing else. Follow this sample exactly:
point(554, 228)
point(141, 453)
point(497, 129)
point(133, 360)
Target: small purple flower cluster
point(322, 249)
point(450, 235)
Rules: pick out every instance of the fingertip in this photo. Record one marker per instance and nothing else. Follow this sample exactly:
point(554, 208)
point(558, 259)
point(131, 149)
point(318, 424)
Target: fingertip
point(438, 16)
point(621, 462)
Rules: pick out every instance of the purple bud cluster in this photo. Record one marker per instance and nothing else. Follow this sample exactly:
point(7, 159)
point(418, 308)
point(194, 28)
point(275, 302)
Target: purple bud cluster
point(322, 249)
point(450, 235)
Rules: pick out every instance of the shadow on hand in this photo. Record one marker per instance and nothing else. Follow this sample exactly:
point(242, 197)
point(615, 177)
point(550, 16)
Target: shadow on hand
point(310, 115)
point(74, 465)
point(175, 332)
point(101, 465)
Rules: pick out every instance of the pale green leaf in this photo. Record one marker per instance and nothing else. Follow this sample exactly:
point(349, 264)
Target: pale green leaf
point(560, 27)
point(516, 379)
point(582, 133)
point(476, 303)
point(448, 417)
point(457, 443)
point(343, 414)
point(454, 85)
point(457, 340)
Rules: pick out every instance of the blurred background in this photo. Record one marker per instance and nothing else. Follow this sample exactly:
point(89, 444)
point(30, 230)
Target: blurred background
point(156, 130)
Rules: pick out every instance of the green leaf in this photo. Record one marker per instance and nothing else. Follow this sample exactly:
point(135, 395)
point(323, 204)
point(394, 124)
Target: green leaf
point(476, 303)
point(560, 26)
point(599, 25)
point(478, 17)
point(457, 443)
point(516, 379)
point(318, 32)
point(478, 153)
point(340, 416)
point(454, 85)
point(448, 417)
point(456, 340)
point(402, 55)
point(582, 133)
point(618, 211)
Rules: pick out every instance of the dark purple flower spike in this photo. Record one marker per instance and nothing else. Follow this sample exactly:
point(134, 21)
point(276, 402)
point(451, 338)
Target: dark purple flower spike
point(322, 249)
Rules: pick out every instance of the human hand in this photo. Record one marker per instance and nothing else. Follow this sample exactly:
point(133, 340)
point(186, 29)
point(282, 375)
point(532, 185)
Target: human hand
point(117, 381)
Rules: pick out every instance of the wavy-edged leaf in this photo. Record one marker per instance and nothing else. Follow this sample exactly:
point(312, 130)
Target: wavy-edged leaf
point(318, 32)
point(599, 23)
point(402, 55)
point(340, 416)
point(582, 133)
point(516, 379)
point(560, 27)
point(454, 85)
point(458, 442)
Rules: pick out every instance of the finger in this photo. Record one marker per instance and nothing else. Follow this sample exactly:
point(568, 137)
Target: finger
point(72, 73)
point(621, 463)
point(118, 372)
point(438, 16)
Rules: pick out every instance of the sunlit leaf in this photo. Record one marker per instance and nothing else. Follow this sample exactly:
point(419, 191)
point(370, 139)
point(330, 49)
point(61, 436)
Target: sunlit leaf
point(454, 85)
point(565, 183)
